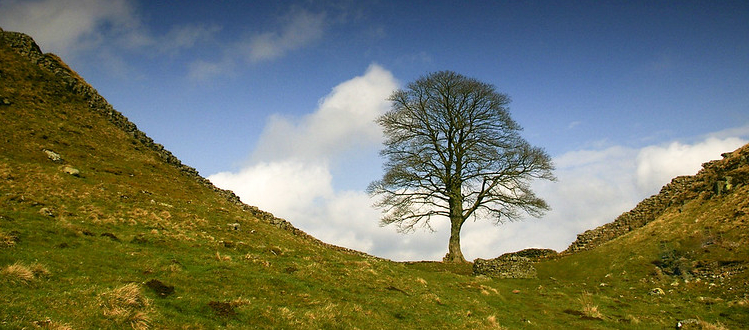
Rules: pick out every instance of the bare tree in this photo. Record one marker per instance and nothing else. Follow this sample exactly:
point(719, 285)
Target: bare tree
point(453, 151)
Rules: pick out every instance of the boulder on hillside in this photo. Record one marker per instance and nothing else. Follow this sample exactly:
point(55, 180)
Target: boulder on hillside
point(53, 156)
point(71, 170)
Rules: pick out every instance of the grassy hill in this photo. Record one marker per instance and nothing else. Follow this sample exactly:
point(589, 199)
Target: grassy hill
point(101, 228)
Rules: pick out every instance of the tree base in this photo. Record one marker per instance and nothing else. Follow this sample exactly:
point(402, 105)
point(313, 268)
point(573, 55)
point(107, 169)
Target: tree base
point(454, 258)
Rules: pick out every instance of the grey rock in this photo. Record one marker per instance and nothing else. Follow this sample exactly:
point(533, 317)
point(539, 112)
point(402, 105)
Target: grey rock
point(71, 170)
point(53, 156)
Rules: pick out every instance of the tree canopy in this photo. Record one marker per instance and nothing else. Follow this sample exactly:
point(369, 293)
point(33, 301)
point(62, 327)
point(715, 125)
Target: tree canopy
point(452, 150)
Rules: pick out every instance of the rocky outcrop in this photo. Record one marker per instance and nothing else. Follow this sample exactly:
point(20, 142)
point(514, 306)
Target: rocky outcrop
point(716, 178)
point(25, 46)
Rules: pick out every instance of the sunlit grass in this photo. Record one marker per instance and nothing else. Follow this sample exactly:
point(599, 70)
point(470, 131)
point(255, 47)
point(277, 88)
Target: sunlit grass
point(129, 218)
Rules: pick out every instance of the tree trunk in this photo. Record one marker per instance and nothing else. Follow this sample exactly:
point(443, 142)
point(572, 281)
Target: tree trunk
point(454, 254)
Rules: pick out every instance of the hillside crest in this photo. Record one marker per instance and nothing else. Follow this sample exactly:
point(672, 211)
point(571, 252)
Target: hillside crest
point(25, 46)
point(716, 178)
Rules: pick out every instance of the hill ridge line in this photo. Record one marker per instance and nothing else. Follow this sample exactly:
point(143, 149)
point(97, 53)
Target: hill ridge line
point(715, 178)
point(25, 46)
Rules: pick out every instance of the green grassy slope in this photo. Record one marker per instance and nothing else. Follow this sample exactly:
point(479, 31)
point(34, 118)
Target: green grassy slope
point(134, 241)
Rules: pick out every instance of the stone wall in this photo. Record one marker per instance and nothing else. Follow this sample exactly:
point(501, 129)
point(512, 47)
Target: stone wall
point(534, 254)
point(505, 266)
point(26, 47)
point(716, 177)
point(512, 265)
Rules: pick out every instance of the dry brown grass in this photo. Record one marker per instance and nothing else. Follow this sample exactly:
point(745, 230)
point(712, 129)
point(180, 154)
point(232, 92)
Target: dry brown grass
point(588, 308)
point(6, 240)
point(39, 270)
point(127, 305)
point(709, 326)
point(491, 320)
point(52, 325)
point(632, 319)
point(20, 273)
point(219, 257)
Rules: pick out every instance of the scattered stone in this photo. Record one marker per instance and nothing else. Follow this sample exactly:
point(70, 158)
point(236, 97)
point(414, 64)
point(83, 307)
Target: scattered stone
point(71, 170)
point(657, 292)
point(45, 211)
point(53, 156)
point(681, 323)
point(276, 250)
point(234, 226)
point(160, 288)
point(4, 101)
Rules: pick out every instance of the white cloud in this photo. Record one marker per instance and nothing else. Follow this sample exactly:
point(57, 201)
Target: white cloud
point(293, 175)
point(657, 165)
point(285, 187)
point(65, 26)
point(593, 188)
point(187, 36)
point(343, 122)
point(298, 28)
point(290, 173)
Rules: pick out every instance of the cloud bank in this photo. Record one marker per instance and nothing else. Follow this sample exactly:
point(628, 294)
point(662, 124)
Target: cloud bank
point(293, 169)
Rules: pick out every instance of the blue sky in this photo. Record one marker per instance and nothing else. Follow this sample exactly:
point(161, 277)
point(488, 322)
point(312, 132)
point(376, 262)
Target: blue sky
point(275, 99)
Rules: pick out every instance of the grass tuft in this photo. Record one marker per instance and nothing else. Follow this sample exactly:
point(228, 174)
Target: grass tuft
point(493, 324)
point(39, 270)
point(7, 240)
point(709, 326)
point(588, 308)
point(20, 273)
point(127, 305)
point(52, 325)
